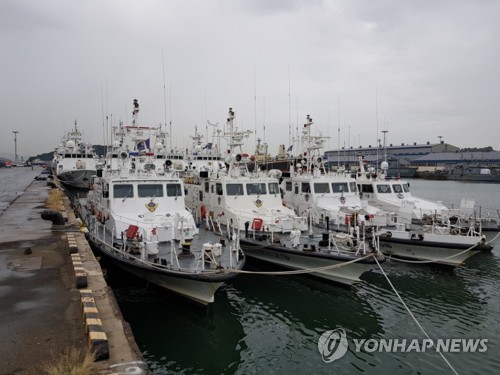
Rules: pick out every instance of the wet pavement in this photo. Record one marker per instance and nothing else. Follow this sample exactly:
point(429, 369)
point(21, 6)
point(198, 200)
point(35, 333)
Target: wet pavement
point(41, 316)
point(13, 181)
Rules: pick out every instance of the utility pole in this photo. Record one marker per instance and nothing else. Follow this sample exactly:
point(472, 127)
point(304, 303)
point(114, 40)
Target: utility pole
point(15, 145)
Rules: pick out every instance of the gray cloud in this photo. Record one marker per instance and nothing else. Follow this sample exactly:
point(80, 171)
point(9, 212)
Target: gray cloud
point(432, 64)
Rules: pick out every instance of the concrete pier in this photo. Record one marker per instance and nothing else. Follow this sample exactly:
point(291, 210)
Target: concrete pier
point(41, 304)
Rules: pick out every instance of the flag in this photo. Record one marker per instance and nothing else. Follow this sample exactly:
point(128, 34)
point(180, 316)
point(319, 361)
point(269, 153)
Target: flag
point(208, 146)
point(289, 148)
point(143, 145)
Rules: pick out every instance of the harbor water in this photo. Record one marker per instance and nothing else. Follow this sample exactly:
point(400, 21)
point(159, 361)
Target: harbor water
point(272, 324)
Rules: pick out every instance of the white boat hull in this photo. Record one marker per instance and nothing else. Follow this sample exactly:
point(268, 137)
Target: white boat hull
point(445, 250)
point(434, 254)
point(199, 291)
point(347, 275)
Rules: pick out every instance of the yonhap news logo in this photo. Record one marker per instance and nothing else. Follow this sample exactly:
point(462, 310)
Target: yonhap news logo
point(333, 345)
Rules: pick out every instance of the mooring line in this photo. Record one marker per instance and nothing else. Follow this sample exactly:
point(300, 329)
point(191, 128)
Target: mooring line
point(413, 317)
point(298, 272)
point(435, 260)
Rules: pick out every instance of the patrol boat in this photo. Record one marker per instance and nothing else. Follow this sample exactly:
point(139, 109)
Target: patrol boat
point(136, 216)
point(251, 203)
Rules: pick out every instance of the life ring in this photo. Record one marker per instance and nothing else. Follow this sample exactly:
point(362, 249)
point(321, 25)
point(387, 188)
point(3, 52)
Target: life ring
point(203, 211)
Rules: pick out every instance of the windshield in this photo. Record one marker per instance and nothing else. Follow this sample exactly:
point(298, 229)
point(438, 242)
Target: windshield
point(234, 189)
point(274, 188)
point(150, 190)
point(340, 187)
point(256, 188)
point(123, 191)
point(383, 189)
point(321, 187)
point(397, 188)
point(174, 190)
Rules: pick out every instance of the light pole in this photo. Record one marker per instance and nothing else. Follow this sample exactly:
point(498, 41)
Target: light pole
point(15, 144)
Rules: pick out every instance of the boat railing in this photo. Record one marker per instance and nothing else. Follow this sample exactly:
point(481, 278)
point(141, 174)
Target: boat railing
point(204, 257)
point(143, 222)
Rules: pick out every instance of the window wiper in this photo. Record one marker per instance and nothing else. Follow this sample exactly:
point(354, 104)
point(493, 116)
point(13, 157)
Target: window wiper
point(129, 194)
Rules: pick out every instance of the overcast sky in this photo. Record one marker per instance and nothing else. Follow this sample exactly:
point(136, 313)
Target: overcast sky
point(420, 69)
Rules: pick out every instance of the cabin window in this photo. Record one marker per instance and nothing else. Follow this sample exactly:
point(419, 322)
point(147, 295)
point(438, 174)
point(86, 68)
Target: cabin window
point(212, 189)
point(296, 188)
point(256, 188)
point(234, 189)
point(150, 190)
point(288, 186)
point(206, 186)
point(352, 187)
point(306, 187)
point(321, 188)
point(174, 190)
point(340, 187)
point(384, 188)
point(274, 188)
point(218, 188)
point(397, 188)
point(406, 188)
point(123, 191)
point(366, 188)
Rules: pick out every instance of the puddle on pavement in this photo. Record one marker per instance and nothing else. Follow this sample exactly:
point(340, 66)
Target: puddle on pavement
point(24, 264)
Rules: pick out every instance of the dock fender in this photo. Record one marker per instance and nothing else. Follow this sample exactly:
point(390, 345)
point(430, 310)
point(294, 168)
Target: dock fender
point(55, 216)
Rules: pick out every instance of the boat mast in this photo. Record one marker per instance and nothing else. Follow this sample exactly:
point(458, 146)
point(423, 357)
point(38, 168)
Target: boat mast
point(235, 141)
point(135, 112)
point(312, 146)
point(384, 166)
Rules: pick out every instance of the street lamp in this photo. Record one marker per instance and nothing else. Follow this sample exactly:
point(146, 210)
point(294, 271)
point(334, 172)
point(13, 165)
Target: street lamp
point(15, 144)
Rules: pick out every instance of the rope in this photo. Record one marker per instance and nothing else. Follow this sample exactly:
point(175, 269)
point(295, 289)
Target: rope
point(298, 272)
point(494, 238)
point(413, 316)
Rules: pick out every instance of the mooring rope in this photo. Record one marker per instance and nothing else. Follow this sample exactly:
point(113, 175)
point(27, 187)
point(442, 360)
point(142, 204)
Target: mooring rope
point(435, 260)
point(494, 238)
point(413, 316)
point(298, 272)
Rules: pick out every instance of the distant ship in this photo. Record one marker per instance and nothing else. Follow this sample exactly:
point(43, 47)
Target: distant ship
point(473, 173)
point(74, 161)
